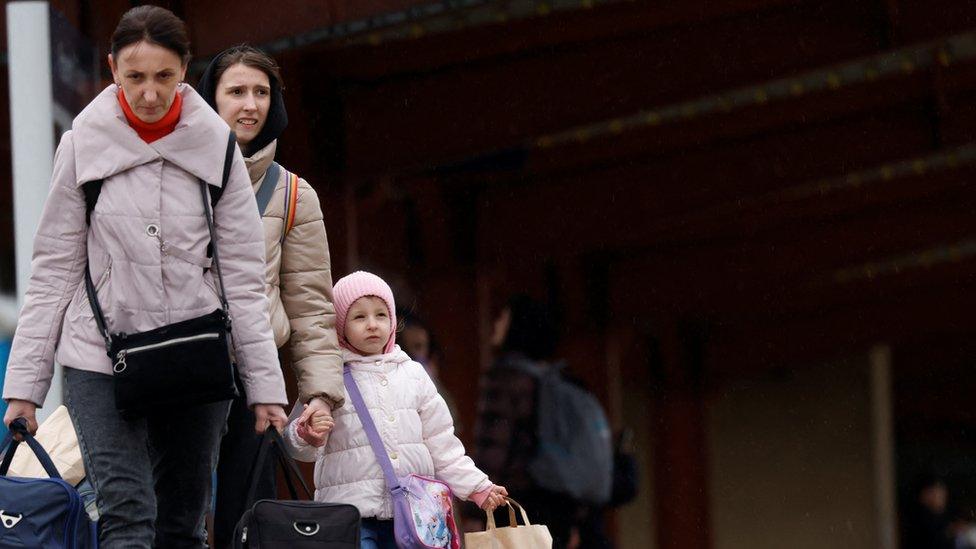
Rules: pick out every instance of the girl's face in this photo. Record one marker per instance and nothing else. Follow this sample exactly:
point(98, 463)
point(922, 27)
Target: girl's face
point(243, 98)
point(148, 74)
point(368, 325)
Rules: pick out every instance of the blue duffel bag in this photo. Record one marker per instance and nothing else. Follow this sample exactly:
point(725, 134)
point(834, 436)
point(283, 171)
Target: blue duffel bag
point(40, 512)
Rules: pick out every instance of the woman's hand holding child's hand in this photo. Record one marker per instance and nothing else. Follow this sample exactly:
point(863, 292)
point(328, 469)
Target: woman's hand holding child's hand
point(493, 497)
point(315, 423)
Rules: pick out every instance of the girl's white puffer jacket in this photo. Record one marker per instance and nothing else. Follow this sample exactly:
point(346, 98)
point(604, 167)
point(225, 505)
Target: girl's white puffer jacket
point(415, 425)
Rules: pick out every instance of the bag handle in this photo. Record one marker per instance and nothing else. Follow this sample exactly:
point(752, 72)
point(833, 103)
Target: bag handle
point(285, 461)
point(511, 503)
point(370, 428)
point(19, 426)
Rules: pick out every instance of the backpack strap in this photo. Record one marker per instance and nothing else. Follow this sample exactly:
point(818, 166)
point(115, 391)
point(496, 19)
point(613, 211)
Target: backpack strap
point(291, 204)
point(216, 193)
point(92, 190)
point(266, 190)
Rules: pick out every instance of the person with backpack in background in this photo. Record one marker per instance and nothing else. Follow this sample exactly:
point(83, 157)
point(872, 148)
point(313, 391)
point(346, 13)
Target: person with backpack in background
point(541, 435)
point(150, 226)
point(243, 84)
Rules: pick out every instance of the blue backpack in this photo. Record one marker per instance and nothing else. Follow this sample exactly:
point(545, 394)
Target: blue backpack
point(40, 512)
point(575, 452)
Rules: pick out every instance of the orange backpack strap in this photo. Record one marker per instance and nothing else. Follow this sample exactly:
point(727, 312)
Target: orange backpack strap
point(291, 203)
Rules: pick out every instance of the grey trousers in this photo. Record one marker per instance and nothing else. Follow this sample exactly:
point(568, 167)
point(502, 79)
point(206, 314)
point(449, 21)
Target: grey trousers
point(152, 476)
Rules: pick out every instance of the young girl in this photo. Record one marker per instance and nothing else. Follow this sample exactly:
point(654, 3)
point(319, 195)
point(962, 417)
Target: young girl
point(411, 417)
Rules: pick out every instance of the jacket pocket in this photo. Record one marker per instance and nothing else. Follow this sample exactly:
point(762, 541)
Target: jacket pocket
point(79, 306)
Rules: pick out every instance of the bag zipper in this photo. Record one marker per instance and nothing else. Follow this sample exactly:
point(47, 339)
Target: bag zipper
point(120, 365)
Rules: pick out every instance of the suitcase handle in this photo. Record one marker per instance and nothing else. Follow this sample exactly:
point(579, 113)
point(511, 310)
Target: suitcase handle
point(19, 426)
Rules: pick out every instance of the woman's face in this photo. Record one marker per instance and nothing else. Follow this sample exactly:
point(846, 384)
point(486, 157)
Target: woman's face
point(243, 98)
point(148, 74)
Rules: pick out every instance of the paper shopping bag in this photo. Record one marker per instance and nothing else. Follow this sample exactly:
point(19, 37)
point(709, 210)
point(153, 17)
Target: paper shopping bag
point(57, 436)
point(525, 536)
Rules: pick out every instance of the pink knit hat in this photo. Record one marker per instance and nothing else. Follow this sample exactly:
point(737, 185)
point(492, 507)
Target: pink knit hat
point(354, 286)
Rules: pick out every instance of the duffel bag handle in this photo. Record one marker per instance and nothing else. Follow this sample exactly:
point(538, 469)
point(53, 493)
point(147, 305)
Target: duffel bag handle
point(19, 427)
point(285, 461)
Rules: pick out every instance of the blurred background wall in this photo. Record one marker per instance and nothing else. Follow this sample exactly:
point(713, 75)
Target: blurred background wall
point(754, 216)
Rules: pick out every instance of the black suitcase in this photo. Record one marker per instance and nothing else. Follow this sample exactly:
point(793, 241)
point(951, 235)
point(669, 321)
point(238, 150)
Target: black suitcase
point(293, 524)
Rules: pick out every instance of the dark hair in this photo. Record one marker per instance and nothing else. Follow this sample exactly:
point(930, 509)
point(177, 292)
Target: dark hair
point(155, 25)
point(532, 329)
point(249, 57)
point(928, 479)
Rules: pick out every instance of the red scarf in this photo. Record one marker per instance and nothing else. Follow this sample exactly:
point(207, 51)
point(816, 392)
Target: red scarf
point(150, 132)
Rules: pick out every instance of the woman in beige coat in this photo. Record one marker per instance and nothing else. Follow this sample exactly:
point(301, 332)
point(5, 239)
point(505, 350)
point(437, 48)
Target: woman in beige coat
point(151, 140)
point(243, 85)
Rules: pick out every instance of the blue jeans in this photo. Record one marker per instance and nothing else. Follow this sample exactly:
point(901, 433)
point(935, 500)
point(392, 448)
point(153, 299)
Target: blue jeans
point(376, 534)
point(88, 498)
point(151, 475)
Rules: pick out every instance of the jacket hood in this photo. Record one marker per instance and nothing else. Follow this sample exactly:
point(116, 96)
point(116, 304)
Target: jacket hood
point(276, 121)
point(381, 361)
point(106, 145)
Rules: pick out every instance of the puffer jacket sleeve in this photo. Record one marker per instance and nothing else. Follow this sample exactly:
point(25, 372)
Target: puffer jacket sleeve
point(306, 293)
point(451, 464)
point(57, 267)
point(297, 447)
point(240, 241)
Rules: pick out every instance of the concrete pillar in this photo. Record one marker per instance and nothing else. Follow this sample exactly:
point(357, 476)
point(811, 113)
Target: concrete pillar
point(32, 137)
point(883, 445)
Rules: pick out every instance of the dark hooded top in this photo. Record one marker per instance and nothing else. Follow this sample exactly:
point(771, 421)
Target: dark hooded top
point(277, 118)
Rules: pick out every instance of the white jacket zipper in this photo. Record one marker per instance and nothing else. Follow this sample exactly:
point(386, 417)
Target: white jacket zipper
point(120, 365)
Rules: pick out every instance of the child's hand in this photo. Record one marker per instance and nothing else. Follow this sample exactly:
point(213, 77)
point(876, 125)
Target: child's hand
point(320, 422)
point(314, 437)
point(496, 497)
point(315, 424)
point(316, 406)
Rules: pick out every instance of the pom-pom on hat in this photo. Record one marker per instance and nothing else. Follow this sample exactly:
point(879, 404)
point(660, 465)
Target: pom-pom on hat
point(354, 286)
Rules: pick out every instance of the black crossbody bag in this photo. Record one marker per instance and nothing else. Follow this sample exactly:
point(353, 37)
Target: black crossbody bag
point(183, 364)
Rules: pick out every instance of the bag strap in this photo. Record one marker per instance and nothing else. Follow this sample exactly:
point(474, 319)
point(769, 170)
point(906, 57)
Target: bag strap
point(291, 204)
point(97, 310)
point(370, 428)
point(208, 213)
point(91, 197)
point(511, 503)
point(272, 442)
point(266, 190)
point(19, 426)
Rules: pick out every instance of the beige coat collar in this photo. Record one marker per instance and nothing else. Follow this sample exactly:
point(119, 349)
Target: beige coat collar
point(258, 163)
point(106, 145)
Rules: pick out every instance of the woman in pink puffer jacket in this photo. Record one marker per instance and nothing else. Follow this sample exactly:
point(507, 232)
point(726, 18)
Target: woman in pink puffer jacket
point(151, 139)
